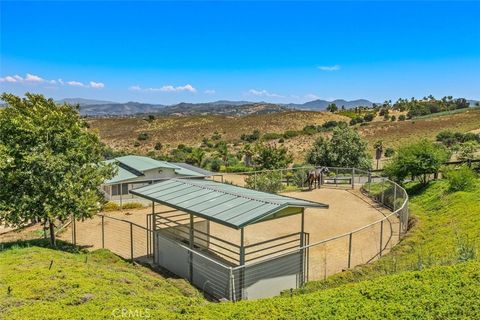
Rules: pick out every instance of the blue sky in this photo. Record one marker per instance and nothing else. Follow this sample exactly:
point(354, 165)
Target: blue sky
point(167, 52)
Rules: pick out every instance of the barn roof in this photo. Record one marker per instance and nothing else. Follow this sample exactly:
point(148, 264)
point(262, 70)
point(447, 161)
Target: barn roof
point(131, 167)
point(229, 205)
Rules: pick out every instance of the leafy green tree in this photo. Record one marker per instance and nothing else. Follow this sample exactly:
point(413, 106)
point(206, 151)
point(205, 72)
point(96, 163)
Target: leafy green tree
point(417, 160)
point(332, 107)
point(344, 149)
point(51, 166)
point(268, 156)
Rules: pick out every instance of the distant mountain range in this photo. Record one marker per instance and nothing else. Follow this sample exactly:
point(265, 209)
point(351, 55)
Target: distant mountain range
point(84, 102)
point(100, 108)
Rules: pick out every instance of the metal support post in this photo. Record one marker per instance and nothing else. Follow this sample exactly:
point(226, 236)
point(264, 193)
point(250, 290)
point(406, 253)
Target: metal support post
point(103, 231)
point(381, 238)
point(349, 250)
point(131, 241)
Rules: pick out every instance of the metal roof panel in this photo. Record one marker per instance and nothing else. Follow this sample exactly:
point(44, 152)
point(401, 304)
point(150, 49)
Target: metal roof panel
point(230, 205)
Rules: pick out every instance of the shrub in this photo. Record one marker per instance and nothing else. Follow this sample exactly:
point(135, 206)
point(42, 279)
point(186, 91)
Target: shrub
point(158, 146)
point(132, 205)
point(111, 206)
point(300, 176)
point(389, 152)
point(330, 124)
point(369, 117)
point(136, 144)
point(402, 117)
point(417, 160)
point(356, 120)
point(255, 135)
point(466, 249)
point(310, 130)
point(461, 179)
point(216, 136)
point(467, 150)
point(269, 181)
point(272, 136)
point(290, 134)
point(393, 118)
point(215, 165)
point(142, 136)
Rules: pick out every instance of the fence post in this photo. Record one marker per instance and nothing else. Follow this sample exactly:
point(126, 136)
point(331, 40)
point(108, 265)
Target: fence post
point(230, 286)
point(103, 232)
point(400, 225)
point(336, 177)
point(131, 241)
point(383, 191)
point(353, 178)
point(369, 181)
point(74, 229)
point(349, 250)
point(381, 238)
point(394, 197)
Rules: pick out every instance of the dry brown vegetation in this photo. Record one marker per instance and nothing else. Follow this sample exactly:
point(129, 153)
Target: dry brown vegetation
point(171, 131)
point(122, 133)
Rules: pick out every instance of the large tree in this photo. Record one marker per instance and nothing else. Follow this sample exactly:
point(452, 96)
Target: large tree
point(270, 156)
point(51, 165)
point(417, 160)
point(345, 148)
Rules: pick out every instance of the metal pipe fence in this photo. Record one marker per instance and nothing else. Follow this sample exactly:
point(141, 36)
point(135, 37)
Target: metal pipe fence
point(294, 265)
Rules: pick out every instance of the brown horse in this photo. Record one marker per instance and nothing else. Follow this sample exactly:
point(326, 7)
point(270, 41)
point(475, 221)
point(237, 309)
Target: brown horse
point(314, 177)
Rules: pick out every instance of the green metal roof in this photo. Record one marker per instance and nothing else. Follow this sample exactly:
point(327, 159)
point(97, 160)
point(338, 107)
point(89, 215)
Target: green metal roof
point(144, 163)
point(131, 167)
point(229, 205)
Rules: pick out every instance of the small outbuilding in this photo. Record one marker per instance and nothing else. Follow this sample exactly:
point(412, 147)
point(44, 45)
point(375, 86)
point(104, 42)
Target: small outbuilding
point(202, 234)
point(137, 171)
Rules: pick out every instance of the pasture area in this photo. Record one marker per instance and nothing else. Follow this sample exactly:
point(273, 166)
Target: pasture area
point(349, 210)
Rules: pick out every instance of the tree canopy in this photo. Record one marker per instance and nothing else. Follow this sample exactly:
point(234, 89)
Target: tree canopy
point(344, 149)
point(417, 160)
point(51, 166)
point(268, 156)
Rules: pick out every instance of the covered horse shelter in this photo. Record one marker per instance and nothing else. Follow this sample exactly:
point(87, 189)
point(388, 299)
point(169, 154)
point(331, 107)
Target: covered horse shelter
point(203, 231)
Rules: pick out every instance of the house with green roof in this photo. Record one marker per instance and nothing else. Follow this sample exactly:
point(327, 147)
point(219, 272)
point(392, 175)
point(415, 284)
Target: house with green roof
point(137, 171)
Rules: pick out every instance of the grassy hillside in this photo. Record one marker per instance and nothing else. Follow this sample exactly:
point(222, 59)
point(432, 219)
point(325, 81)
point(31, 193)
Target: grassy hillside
point(445, 228)
point(83, 285)
point(172, 131)
point(437, 293)
point(121, 134)
point(425, 276)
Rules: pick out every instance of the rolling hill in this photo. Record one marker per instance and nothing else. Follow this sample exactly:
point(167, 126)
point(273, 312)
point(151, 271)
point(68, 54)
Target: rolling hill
point(424, 277)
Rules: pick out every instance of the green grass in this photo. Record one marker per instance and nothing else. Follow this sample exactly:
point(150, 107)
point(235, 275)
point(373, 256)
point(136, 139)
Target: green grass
point(437, 293)
point(445, 224)
point(422, 278)
point(83, 285)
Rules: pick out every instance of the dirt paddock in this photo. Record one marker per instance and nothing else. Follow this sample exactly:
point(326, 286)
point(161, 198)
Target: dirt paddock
point(348, 210)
